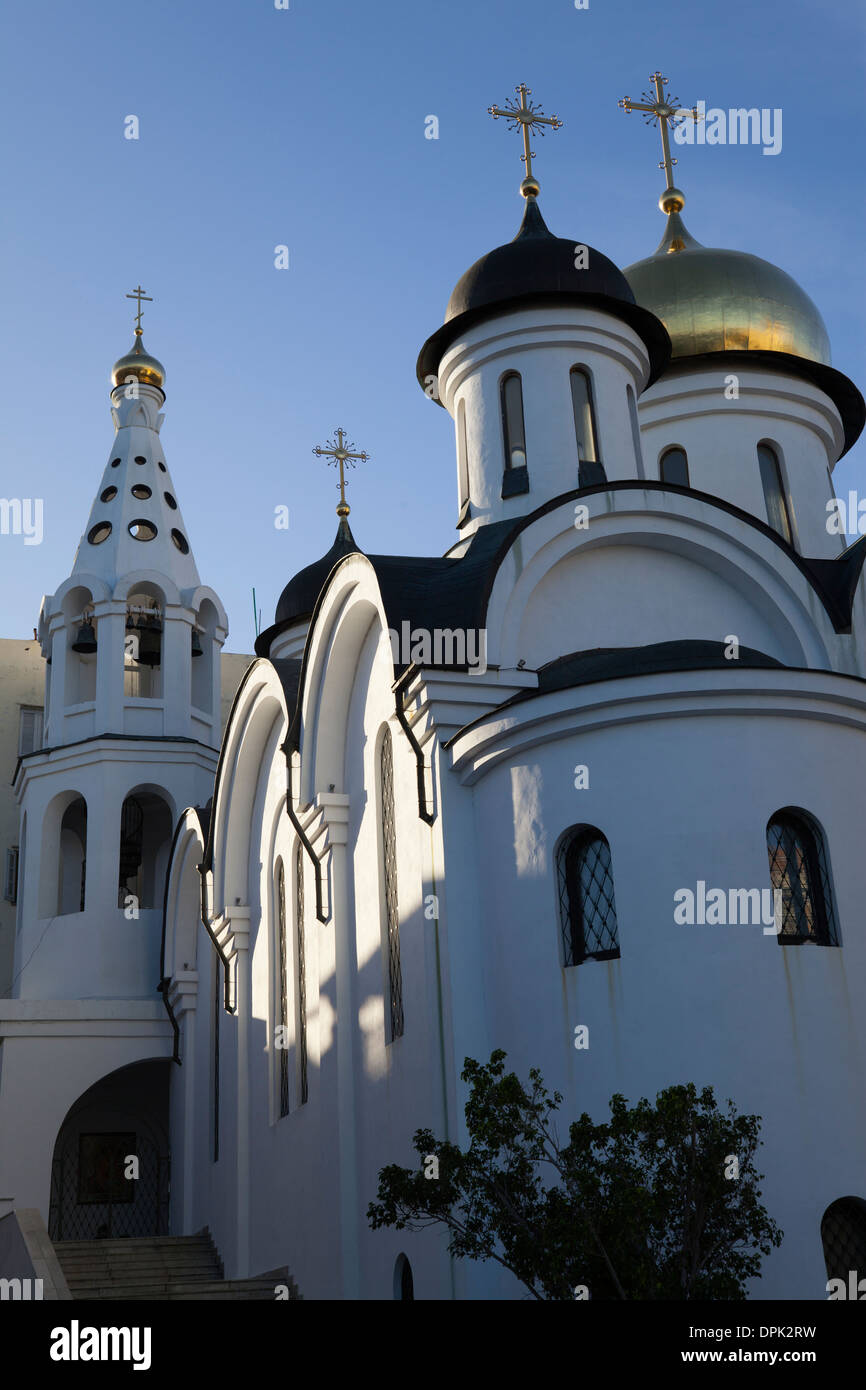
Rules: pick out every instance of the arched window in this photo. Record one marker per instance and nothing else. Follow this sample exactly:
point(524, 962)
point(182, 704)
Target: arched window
point(586, 899)
point(300, 951)
point(516, 477)
point(775, 500)
point(389, 873)
point(589, 469)
point(145, 839)
point(462, 453)
point(404, 1285)
point(216, 1009)
point(674, 467)
point(843, 1235)
point(73, 857)
point(799, 869)
point(635, 431)
point(283, 998)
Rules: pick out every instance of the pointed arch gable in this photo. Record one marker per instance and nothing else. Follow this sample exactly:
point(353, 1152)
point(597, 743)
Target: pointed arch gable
point(257, 724)
point(723, 565)
point(346, 614)
point(182, 904)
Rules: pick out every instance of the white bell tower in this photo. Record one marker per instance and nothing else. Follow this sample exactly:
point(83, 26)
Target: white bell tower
point(132, 642)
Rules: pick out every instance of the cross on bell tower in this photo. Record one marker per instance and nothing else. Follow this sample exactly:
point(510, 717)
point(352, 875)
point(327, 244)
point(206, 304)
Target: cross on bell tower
point(526, 117)
point(667, 114)
point(139, 294)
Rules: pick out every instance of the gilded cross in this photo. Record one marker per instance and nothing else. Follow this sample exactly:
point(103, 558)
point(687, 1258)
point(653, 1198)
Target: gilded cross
point(342, 452)
point(664, 112)
point(526, 116)
point(139, 294)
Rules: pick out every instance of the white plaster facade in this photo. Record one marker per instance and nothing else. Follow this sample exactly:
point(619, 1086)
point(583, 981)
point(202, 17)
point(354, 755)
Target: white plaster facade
point(686, 764)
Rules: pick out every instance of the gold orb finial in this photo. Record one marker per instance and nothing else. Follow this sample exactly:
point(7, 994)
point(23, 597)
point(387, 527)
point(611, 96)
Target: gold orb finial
point(672, 200)
point(137, 364)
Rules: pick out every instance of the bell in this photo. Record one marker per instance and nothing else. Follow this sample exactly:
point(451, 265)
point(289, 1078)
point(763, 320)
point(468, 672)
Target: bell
point(86, 639)
point(148, 646)
point(197, 649)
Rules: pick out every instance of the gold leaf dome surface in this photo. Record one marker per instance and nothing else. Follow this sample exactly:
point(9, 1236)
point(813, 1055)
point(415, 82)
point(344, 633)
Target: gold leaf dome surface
point(138, 364)
point(712, 300)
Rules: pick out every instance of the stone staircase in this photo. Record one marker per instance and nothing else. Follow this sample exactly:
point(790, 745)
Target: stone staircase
point(159, 1267)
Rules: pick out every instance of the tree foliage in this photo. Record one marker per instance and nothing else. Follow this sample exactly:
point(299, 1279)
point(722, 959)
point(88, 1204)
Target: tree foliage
point(645, 1206)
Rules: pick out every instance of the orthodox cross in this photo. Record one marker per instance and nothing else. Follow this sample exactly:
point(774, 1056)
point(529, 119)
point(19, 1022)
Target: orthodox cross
point(666, 113)
point(526, 116)
point(139, 294)
point(342, 452)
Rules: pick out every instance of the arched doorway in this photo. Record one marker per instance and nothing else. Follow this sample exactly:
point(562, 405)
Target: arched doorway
point(110, 1172)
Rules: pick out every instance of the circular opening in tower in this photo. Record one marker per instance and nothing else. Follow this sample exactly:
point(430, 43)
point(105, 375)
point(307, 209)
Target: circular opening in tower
point(180, 541)
point(139, 458)
point(115, 463)
point(141, 491)
point(99, 533)
point(170, 500)
point(142, 530)
point(108, 495)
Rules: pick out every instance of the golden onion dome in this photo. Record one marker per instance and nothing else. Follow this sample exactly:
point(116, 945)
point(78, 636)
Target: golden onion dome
point(712, 300)
point(138, 364)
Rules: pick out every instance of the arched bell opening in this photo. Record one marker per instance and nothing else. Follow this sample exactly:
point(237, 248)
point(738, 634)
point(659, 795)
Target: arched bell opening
point(81, 647)
point(143, 643)
point(202, 654)
point(145, 843)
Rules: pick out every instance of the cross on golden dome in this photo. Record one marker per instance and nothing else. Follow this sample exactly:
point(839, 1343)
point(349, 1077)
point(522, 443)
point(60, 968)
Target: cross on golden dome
point(526, 117)
point(341, 453)
point(139, 294)
point(666, 113)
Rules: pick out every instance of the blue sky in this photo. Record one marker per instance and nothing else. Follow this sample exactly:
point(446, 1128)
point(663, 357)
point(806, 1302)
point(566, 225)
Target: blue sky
point(305, 127)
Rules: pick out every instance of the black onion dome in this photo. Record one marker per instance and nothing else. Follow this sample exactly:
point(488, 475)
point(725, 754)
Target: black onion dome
point(298, 599)
point(540, 267)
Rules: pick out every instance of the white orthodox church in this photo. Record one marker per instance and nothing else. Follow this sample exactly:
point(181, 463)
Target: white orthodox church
point(393, 859)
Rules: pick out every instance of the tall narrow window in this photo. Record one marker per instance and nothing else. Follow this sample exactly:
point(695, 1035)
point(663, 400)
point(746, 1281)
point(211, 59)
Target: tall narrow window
point(674, 467)
point(389, 866)
point(589, 469)
point(515, 478)
point(635, 431)
point(302, 975)
point(799, 869)
point(283, 1002)
point(29, 729)
point(215, 1057)
point(778, 511)
point(586, 898)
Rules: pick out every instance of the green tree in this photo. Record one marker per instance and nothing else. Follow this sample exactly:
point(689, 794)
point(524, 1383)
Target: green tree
point(661, 1202)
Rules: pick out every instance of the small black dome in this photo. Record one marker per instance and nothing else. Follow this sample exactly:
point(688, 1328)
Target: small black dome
point(298, 599)
point(536, 266)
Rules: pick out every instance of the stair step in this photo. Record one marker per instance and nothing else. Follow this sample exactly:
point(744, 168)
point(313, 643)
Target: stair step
point(157, 1268)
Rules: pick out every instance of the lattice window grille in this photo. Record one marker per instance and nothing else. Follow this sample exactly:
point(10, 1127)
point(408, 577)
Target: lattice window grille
point(586, 898)
point(799, 868)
